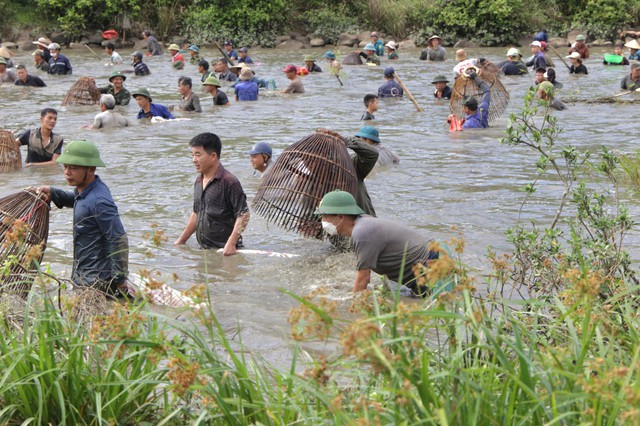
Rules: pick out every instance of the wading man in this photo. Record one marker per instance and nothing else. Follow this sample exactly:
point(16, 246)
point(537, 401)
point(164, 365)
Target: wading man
point(100, 244)
point(220, 212)
point(43, 146)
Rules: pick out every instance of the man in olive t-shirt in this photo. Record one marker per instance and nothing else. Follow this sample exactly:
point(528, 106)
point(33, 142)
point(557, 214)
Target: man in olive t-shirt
point(43, 146)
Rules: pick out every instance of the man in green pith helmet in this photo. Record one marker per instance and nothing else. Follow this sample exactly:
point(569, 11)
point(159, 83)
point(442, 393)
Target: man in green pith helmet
point(380, 245)
point(310, 63)
point(117, 89)
point(100, 244)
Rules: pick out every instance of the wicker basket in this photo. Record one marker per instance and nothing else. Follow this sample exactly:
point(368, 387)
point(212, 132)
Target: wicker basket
point(10, 158)
point(465, 87)
point(83, 92)
point(292, 188)
point(24, 228)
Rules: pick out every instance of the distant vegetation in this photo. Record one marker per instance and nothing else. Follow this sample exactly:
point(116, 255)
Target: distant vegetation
point(487, 22)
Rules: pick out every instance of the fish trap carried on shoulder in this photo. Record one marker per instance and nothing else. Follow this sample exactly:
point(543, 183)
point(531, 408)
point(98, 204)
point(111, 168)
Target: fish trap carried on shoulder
point(24, 228)
point(10, 158)
point(83, 92)
point(293, 187)
point(464, 87)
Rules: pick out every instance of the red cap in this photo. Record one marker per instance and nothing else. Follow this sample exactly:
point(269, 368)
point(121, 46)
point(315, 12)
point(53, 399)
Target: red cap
point(290, 68)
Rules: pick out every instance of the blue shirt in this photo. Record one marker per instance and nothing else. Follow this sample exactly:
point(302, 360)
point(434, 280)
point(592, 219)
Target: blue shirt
point(156, 110)
point(247, 91)
point(246, 60)
point(100, 245)
point(59, 65)
point(390, 89)
point(635, 56)
point(537, 61)
point(233, 54)
point(480, 119)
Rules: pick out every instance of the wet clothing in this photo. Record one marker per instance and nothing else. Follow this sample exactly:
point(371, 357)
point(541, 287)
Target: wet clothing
point(37, 152)
point(156, 110)
point(246, 60)
point(153, 46)
point(32, 81)
point(480, 119)
point(393, 55)
point(177, 61)
point(373, 59)
point(315, 68)
point(218, 206)
point(364, 159)
point(384, 246)
point(583, 50)
point(390, 89)
point(116, 59)
point(109, 118)
point(100, 244)
point(628, 84)
point(386, 157)
point(247, 91)
point(195, 59)
point(513, 68)
point(580, 69)
point(9, 76)
point(430, 54)
point(232, 54)
point(379, 47)
point(123, 97)
point(295, 86)
point(43, 66)
point(623, 61)
point(367, 116)
point(635, 56)
point(537, 61)
point(220, 98)
point(140, 68)
point(227, 76)
point(446, 93)
point(558, 105)
point(60, 65)
point(192, 103)
point(557, 85)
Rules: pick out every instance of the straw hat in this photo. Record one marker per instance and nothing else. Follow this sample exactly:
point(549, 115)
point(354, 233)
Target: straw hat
point(461, 55)
point(633, 44)
point(42, 41)
point(433, 37)
point(240, 66)
point(246, 74)
point(5, 53)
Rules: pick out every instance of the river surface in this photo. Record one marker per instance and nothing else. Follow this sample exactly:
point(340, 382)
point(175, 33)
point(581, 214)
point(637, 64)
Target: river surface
point(466, 180)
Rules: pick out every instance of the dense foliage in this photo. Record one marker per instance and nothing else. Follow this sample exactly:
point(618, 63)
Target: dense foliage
point(487, 22)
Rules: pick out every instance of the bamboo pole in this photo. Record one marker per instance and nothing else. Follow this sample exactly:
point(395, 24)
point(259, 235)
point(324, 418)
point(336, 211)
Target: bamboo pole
point(408, 92)
point(92, 51)
point(559, 56)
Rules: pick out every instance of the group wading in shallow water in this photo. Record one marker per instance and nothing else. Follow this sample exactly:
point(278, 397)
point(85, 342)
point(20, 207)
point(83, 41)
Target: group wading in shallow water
point(220, 211)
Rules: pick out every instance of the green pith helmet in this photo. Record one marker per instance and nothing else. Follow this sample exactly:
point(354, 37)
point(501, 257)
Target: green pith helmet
point(440, 79)
point(81, 153)
point(3, 60)
point(308, 58)
point(547, 88)
point(212, 81)
point(174, 46)
point(143, 91)
point(117, 74)
point(338, 202)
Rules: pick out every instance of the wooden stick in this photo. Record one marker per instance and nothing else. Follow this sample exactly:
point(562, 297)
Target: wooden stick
point(409, 95)
point(559, 56)
point(92, 51)
point(224, 53)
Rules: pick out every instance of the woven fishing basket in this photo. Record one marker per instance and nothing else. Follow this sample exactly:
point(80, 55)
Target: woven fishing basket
point(24, 228)
point(10, 158)
point(352, 59)
point(83, 92)
point(292, 188)
point(465, 87)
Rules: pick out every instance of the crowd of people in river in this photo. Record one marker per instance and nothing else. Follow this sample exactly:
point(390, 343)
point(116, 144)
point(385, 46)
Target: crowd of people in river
point(220, 212)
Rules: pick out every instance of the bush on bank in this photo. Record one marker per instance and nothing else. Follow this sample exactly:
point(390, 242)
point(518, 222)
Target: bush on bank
point(487, 22)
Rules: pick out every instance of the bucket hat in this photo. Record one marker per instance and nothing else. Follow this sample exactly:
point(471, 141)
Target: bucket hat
point(440, 79)
point(369, 132)
point(369, 46)
point(433, 37)
point(117, 74)
point(143, 91)
point(338, 202)
point(81, 153)
point(246, 74)
point(194, 48)
point(42, 41)
point(392, 45)
point(53, 46)
point(329, 55)
point(580, 38)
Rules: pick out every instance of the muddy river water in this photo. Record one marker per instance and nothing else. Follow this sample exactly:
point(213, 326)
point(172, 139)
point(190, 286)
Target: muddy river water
point(467, 180)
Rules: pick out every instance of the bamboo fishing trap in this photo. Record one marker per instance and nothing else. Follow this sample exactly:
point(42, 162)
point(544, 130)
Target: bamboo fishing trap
point(24, 228)
point(464, 87)
point(83, 92)
point(10, 158)
point(293, 187)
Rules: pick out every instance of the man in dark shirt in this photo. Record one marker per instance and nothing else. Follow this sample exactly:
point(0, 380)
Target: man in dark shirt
point(538, 59)
point(513, 65)
point(24, 79)
point(139, 67)
point(220, 212)
point(212, 86)
point(371, 103)
point(442, 91)
point(44, 147)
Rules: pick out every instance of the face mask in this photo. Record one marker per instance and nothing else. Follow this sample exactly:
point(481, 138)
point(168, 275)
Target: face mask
point(329, 228)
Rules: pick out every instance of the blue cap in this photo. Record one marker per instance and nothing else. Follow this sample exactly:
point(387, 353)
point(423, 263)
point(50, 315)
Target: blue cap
point(329, 55)
point(260, 148)
point(369, 132)
point(194, 48)
point(389, 72)
point(369, 46)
